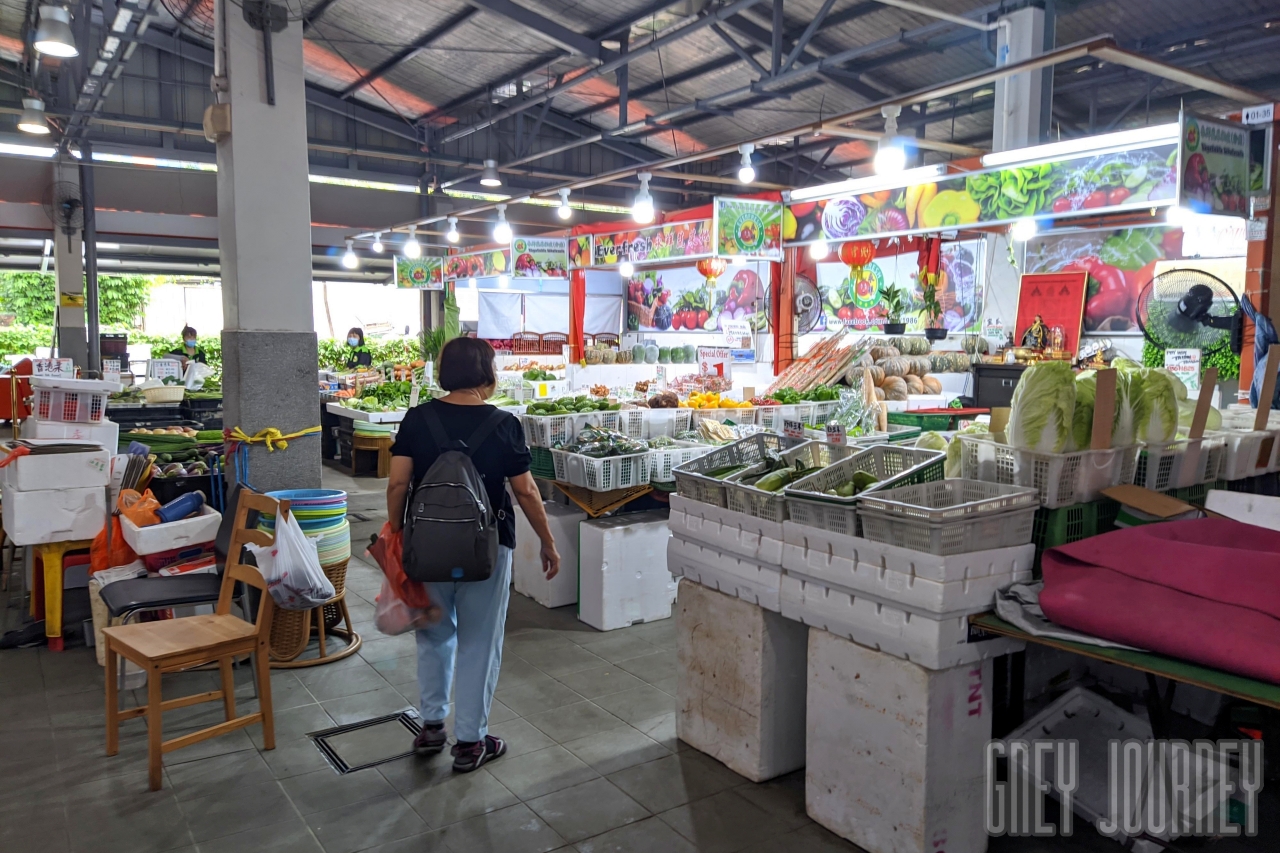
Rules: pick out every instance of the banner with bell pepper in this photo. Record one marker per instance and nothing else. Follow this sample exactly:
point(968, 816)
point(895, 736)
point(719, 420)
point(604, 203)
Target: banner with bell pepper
point(1119, 263)
point(685, 299)
point(673, 242)
point(1083, 185)
point(481, 264)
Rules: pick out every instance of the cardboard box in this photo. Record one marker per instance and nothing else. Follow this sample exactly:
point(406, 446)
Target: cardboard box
point(53, 515)
point(41, 471)
point(526, 565)
point(622, 570)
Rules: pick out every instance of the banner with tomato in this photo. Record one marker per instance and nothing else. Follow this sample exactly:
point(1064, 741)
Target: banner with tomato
point(1119, 263)
point(747, 228)
point(673, 242)
point(1083, 185)
point(1215, 166)
point(681, 299)
point(419, 273)
point(539, 257)
point(481, 264)
point(580, 251)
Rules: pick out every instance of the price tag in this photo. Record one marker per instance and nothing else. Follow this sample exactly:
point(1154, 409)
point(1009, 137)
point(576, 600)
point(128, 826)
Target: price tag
point(163, 368)
point(53, 368)
point(715, 361)
point(835, 434)
point(1185, 364)
point(111, 369)
point(414, 390)
point(793, 429)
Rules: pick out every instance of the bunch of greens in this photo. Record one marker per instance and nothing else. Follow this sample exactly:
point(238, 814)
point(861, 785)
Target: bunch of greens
point(820, 394)
point(535, 374)
point(787, 397)
point(1012, 193)
point(601, 443)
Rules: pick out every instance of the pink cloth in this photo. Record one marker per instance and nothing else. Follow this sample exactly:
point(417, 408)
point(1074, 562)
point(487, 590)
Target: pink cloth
point(1206, 590)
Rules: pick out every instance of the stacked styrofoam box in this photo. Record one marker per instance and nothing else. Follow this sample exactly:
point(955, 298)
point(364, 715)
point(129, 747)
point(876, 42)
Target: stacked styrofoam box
point(106, 433)
point(622, 570)
point(56, 497)
point(735, 553)
point(526, 565)
point(741, 685)
point(895, 759)
point(906, 603)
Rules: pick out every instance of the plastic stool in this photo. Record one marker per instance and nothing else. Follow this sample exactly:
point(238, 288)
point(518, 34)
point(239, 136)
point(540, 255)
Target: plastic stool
point(50, 556)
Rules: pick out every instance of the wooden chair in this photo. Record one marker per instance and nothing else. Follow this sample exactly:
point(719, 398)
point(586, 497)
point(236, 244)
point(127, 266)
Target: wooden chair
point(177, 644)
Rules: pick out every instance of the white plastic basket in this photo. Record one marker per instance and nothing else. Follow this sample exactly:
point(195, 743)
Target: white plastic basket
point(1247, 453)
point(601, 475)
point(823, 410)
point(1062, 479)
point(772, 506)
point(631, 422)
point(550, 430)
point(809, 504)
point(772, 418)
point(664, 460)
point(77, 401)
point(693, 483)
point(668, 422)
point(738, 416)
point(949, 516)
point(1178, 464)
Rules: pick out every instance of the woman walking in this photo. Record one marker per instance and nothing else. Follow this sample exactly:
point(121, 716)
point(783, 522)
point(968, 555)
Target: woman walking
point(468, 638)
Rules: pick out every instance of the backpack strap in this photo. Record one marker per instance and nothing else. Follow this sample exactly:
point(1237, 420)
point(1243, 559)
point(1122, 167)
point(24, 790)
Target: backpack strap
point(483, 431)
point(477, 438)
point(436, 428)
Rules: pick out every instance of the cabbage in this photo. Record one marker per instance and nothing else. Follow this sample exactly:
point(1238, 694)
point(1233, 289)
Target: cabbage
point(931, 441)
point(1129, 407)
point(1126, 364)
point(1082, 418)
point(951, 468)
point(1155, 418)
point(1187, 411)
point(1179, 388)
point(1042, 406)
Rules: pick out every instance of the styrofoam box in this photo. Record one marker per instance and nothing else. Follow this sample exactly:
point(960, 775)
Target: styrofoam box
point(932, 642)
point(54, 515)
point(895, 760)
point(106, 433)
point(727, 573)
point(526, 565)
point(741, 687)
point(828, 551)
point(756, 539)
point(622, 570)
point(34, 473)
point(155, 538)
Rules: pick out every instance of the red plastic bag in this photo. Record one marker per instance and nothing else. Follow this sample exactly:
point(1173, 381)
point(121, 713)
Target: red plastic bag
point(388, 551)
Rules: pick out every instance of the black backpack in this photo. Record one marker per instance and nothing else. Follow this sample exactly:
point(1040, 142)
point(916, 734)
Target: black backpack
point(451, 532)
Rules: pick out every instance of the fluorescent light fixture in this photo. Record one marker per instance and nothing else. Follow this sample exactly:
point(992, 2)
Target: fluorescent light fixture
point(1024, 229)
point(53, 35)
point(27, 150)
point(157, 162)
point(363, 185)
point(490, 177)
point(626, 269)
point(746, 172)
point(349, 259)
point(642, 208)
point(502, 228)
point(108, 247)
point(871, 183)
point(819, 250)
point(1122, 139)
point(452, 234)
point(33, 120)
point(109, 46)
point(377, 242)
point(564, 211)
point(121, 23)
point(411, 248)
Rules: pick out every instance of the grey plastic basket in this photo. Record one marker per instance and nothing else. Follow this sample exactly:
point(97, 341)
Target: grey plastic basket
point(693, 483)
point(948, 500)
point(772, 505)
point(949, 516)
point(891, 464)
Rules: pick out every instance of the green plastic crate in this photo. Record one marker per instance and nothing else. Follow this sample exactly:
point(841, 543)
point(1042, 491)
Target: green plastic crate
point(541, 464)
point(900, 434)
point(1062, 526)
point(1196, 495)
point(925, 422)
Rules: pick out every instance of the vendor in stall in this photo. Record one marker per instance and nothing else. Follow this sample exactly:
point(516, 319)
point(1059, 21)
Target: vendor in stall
point(358, 355)
point(190, 349)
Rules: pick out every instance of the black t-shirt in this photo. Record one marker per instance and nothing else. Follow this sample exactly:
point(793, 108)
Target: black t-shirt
point(502, 455)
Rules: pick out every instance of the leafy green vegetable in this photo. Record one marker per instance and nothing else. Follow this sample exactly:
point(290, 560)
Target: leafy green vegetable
point(951, 468)
point(1160, 405)
point(931, 441)
point(1132, 248)
point(1042, 406)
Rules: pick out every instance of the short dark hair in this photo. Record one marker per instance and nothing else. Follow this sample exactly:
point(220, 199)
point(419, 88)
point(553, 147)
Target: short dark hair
point(359, 333)
point(467, 363)
point(187, 330)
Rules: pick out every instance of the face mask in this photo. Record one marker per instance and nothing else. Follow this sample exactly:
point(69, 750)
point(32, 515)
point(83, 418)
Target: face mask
point(353, 342)
point(191, 343)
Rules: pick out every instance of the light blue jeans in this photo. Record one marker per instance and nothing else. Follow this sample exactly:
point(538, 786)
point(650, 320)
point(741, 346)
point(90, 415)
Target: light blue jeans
point(470, 631)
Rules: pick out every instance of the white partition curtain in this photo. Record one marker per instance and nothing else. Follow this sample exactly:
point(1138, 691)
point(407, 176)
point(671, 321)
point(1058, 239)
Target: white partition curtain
point(546, 312)
point(602, 314)
point(499, 314)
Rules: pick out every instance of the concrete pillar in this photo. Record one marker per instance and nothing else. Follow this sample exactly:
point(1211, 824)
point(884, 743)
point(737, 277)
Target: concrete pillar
point(264, 234)
point(68, 266)
point(1019, 117)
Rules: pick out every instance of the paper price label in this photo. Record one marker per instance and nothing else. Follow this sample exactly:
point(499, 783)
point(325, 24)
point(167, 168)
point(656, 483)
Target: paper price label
point(715, 361)
point(414, 390)
point(835, 434)
point(162, 368)
point(54, 368)
point(111, 369)
point(1184, 364)
point(793, 429)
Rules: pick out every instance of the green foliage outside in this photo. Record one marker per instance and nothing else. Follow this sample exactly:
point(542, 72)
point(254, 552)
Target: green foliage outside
point(1227, 362)
point(122, 300)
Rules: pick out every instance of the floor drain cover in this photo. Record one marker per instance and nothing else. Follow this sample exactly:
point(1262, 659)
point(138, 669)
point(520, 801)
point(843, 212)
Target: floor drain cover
point(368, 743)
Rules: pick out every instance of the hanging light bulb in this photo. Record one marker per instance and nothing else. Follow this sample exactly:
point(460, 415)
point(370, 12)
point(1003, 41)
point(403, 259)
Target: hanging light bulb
point(564, 211)
point(54, 36)
point(747, 173)
point(819, 250)
point(490, 177)
point(642, 207)
point(626, 269)
point(502, 229)
point(891, 153)
point(33, 118)
point(452, 234)
point(377, 242)
point(349, 260)
point(1024, 229)
point(504, 281)
point(411, 247)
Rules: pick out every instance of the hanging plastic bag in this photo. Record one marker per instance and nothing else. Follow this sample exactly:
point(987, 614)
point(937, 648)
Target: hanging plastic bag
point(139, 508)
point(120, 553)
point(291, 568)
point(388, 552)
point(393, 616)
point(195, 375)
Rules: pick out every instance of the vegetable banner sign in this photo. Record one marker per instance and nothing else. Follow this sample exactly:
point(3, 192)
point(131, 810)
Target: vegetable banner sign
point(658, 243)
point(540, 257)
point(420, 273)
point(1119, 263)
point(858, 304)
point(1085, 185)
point(747, 228)
point(1214, 166)
point(477, 264)
point(680, 300)
point(1058, 299)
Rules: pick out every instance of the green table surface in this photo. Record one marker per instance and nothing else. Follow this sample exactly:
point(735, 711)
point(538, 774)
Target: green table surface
point(1249, 689)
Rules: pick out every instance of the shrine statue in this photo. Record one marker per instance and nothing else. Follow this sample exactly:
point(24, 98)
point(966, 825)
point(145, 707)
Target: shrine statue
point(1037, 335)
